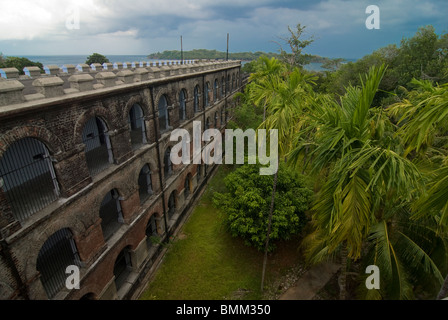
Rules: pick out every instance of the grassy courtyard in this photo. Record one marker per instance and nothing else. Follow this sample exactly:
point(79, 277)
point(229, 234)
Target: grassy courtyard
point(205, 262)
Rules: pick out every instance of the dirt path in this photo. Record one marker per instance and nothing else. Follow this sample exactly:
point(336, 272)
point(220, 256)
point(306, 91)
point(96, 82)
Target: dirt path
point(311, 282)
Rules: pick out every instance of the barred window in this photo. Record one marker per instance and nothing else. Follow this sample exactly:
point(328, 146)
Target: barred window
point(27, 177)
point(98, 147)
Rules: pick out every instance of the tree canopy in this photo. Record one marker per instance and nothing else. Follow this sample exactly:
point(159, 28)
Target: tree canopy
point(19, 63)
point(246, 204)
point(96, 58)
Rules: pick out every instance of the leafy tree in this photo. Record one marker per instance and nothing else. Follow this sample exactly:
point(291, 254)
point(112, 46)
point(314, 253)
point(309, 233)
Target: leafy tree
point(19, 63)
point(296, 58)
point(423, 56)
point(96, 58)
point(332, 64)
point(246, 204)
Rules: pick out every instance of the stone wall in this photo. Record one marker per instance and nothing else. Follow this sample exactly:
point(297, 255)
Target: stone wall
point(56, 115)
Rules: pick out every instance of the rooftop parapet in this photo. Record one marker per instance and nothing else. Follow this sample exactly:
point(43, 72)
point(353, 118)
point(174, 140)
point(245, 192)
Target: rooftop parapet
point(96, 67)
point(51, 69)
point(70, 79)
point(49, 87)
point(68, 68)
point(11, 92)
point(9, 73)
point(105, 79)
point(32, 72)
point(108, 66)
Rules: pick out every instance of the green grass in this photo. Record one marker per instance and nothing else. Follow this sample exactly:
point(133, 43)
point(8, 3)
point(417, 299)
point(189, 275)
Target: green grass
point(204, 262)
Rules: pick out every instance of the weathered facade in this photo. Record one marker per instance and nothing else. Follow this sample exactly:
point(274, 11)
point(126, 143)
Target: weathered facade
point(85, 174)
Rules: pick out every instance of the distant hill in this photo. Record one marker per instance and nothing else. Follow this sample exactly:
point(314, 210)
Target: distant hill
point(209, 54)
point(214, 54)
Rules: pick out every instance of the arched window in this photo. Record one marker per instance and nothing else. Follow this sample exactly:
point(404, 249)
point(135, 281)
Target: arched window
point(144, 183)
point(27, 177)
point(206, 93)
point(222, 116)
point(111, 214)
point(215, 91)
point(98, 147)
point(122, 267)
point(223, 87)
point(182, 105)
point(216, 120)
point(207, 123)
point(55, 255)
point(188, 188)
point(151, 230)
point(196, 99)
point(137, 126)
point(164, 121)
point(233, 82)
point(167, 164)
point(171, 204)
point(228, 84)
point(199, 172)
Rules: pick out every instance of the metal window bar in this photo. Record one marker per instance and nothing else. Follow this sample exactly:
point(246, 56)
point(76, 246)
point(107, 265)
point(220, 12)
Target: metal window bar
point(182, 105)
point(171, 205)
point(56, 254)
point(99, 154)
point(168, 165)
point(206, 91)
point(215, 91)
point(137, 127)
point(110, 214)
point(196, 99)
point(198, 174)
point(122, 267)
point(29, 179)
point(151, 230)
point(145, 183)
point(187, 187)
point(163, 114)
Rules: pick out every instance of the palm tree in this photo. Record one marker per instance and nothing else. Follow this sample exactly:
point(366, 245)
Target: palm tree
point(352, 146)
point(282, 96)
point(423, 115)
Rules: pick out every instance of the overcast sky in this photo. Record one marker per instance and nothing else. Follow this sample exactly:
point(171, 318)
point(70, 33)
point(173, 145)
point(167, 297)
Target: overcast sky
point(49, 27)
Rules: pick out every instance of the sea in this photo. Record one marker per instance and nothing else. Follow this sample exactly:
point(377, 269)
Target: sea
point(60, 60)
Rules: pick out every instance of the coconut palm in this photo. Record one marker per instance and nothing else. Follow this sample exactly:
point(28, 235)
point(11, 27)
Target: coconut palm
point(352, 145)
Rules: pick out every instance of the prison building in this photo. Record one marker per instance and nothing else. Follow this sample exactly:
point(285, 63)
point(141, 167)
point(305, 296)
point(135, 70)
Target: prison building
point(86, 179)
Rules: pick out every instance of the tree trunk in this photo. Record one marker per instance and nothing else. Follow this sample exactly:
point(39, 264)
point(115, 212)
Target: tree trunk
point(443, 293)
point(342, 280)
point(271, 211)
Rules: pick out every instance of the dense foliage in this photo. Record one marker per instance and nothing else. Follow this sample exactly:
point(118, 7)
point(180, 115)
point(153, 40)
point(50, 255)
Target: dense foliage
point(97, 58)
point(246, 204)
point(423, 56)
point(373, 136)
point(19, 63)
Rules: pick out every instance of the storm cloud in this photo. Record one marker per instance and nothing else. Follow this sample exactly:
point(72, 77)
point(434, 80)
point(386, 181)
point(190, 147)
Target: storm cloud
point(31, 27)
